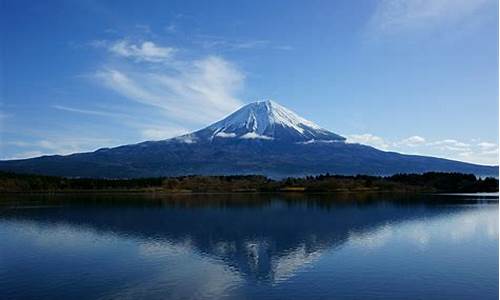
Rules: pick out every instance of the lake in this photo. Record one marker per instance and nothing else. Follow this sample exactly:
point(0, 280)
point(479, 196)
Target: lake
point(287, 246)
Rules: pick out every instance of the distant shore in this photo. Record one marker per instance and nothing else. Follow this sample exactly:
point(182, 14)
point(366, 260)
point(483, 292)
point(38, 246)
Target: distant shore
point(431, 182)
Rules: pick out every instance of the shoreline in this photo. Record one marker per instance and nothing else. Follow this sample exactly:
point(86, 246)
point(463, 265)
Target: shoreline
point(210, 193)
point(432, 182)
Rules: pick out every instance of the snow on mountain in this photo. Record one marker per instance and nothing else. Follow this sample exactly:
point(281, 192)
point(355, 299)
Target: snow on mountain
point(265, 120)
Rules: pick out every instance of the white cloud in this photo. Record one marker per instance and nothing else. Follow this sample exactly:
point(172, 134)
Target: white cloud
point(145, 51)
point(412, 141)
point(226, 135)
point(394, 16)
point(489, 157)
point(87, 111)
point(254, 135)
point(368, 139)
point(486, 145)
point(450, 144)
point(196, 92)
point(490, 151)
point(474, 151)
point(126, 86)
point(26, 154)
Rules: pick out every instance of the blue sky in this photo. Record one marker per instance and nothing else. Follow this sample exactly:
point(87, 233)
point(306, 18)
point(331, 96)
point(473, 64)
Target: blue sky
point(414, 76)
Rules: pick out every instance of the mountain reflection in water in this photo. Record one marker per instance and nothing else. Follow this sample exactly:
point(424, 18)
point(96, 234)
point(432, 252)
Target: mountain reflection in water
point(237, 246)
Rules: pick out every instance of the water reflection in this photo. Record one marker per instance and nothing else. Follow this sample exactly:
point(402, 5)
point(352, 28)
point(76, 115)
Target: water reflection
point(132, 247)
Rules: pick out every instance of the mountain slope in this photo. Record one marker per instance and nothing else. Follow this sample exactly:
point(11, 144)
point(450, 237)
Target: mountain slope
point(265, 120)
point(260, 138)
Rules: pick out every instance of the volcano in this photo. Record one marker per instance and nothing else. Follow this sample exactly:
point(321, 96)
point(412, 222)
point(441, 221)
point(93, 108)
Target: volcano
point(262, 138)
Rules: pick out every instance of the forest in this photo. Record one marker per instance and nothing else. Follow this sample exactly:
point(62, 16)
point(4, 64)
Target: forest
point(426, 182)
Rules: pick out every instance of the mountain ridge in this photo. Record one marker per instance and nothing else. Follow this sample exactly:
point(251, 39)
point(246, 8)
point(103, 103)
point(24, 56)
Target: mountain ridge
point(261, 138)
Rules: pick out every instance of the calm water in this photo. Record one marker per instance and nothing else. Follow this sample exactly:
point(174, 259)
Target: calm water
point(248, 247)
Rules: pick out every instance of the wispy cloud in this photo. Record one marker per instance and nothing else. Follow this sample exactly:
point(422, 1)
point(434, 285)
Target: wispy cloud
point(87, 111)
point(450, 144)
point(62, 145)
point(487, 146)
point(368, 139)
point(395, 16)
point(412, 141)
point(473, 151)
point(224, 43)
point(171, 28)
point(145, 51)
point(196, 91)
point(147, 128)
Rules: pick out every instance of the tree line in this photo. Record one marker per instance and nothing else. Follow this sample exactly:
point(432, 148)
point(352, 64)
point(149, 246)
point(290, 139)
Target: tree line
point(426, 182)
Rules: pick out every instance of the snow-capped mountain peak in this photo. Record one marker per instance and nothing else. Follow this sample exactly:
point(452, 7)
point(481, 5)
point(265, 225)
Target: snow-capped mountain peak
point(266, 120)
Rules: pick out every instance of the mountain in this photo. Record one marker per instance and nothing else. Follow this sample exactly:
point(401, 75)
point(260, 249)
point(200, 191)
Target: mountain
point(260, 138)
point(265, 120)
